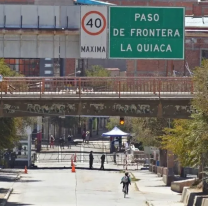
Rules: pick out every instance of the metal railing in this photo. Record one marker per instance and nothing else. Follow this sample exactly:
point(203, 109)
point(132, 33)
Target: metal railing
point(66, 157)
point(95, 87)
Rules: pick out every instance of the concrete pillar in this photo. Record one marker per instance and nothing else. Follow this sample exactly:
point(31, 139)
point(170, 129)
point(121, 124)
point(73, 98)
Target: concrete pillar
point(90, 125)
point(170, 166)
point(163, 158)
point(1, 109)
point(170, 159)
point(97, 125)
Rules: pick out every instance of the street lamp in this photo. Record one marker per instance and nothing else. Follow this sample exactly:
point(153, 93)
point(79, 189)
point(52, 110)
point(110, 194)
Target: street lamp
point(78, 72)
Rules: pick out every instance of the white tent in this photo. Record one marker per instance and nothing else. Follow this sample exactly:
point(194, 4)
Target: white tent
point(115, 132)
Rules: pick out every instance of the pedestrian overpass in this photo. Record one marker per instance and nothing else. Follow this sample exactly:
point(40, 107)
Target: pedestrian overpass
point(129, 96)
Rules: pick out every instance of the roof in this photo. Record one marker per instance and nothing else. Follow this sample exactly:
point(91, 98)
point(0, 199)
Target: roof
point(115, 132)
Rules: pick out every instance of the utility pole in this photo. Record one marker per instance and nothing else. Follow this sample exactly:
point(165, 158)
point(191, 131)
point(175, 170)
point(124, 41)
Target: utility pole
point(48, 133)
point(97, 125)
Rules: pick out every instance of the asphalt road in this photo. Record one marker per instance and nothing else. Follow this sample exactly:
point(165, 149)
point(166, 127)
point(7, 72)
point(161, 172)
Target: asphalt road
point(63, 188)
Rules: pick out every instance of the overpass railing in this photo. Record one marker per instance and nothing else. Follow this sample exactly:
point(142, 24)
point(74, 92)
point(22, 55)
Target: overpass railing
point(95, 86)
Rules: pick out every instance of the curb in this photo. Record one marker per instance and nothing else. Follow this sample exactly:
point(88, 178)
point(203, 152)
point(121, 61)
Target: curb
point(6, 197)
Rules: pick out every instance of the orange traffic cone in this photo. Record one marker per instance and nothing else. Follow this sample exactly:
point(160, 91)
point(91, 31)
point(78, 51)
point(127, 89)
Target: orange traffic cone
point(25, 169)
point(75, 157)
point(73, 168)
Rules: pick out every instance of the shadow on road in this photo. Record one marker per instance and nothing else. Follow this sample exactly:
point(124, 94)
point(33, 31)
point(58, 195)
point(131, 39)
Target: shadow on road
point(158, 186)
point(77, 168)
point(29, 181)
point(7, 179)
point(16, 203)
point(70, 152)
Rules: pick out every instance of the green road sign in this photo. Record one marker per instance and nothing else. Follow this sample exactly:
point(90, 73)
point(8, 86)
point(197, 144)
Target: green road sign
point(146, 32)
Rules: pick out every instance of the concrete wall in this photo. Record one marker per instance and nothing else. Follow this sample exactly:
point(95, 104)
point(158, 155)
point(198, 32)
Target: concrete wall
point(49, 16)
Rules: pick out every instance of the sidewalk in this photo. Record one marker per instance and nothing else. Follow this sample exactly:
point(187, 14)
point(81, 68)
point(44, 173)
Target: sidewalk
point(155, 191)
point(7, 179)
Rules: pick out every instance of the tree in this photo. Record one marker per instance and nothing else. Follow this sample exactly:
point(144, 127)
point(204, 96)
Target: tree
point(5, 71)
point(11, 126)
point(8, 132)
point(99, 83)
point(176, 139)
point(97, 71)
point(201, 87)
point(188, 139)
point(145, 130)
point(115, 121)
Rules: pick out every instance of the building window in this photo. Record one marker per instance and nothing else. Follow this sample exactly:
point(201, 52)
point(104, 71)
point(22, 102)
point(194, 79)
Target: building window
point(48, 72)
point(27, 67)
point(48, 65)
point(204, 54)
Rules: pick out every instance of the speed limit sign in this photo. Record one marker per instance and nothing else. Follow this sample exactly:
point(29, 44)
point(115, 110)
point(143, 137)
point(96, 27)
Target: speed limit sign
point(93, 32)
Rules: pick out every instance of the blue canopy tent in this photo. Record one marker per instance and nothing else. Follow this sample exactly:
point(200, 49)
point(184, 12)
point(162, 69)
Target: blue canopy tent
point(115, 132)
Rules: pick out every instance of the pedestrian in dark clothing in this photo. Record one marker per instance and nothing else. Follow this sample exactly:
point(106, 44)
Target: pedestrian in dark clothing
point(91, 159)
point(84, 136)
point(102, 162)
point(69, 141)
point(6, 159)
point(61, 142)
point(52, 140)
point(13, 158)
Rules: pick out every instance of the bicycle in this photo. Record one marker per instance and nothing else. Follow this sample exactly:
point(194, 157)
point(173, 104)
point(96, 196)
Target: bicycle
point(125, 190)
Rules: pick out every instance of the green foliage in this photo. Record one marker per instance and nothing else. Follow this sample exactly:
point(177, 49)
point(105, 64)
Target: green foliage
point(11, 126)
point(8, 132)
point(99, 84)
point(5, 71)
point(149, 130)
point(175, 140)
point(23, 122)
point(200, 79)
point(97, 71)
point(188, 139)
point(115, 121)
point(145, 130)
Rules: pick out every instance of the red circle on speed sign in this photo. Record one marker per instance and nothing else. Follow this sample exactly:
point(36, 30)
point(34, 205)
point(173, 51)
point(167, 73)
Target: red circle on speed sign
point(93, 33)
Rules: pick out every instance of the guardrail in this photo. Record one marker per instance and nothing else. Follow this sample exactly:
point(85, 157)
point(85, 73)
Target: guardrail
point(97, 87)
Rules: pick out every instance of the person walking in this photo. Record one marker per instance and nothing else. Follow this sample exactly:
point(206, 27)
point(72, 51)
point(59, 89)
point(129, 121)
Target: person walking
point(52, 139)
point(87, 137)
point(91, 158)
point(13, 158)
point(83, 136)
point(102, 162)
point(61, 142)
point(69, 141)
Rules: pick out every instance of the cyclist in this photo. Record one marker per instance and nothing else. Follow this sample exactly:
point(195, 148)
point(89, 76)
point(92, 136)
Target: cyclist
point(126, 180)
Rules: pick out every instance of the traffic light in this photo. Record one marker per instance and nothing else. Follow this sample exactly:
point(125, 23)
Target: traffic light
point(121, 120)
